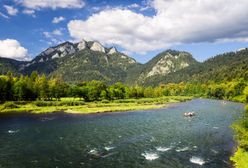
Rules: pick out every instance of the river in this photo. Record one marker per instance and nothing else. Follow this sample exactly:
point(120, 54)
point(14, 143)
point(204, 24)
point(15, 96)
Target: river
point(149, 138)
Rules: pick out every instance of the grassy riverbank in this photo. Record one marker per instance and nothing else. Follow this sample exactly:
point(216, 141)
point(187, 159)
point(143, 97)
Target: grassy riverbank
point(70, 105)
point(240, 158)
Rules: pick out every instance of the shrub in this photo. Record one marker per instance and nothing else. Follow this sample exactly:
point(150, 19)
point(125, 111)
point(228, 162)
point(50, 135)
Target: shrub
point(22, 102)
point(43, 103)
point(71, 103)
point(105, 101)
point(58, 103)
point(125, 101)
point(9, 105)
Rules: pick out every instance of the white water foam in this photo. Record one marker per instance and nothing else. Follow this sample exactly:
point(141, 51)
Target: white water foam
point(215, 127)
point(163, 149)
point(182, 149)
point(93, 151)
point(197, 160)
point(152, 139)
point(214, 151)
point(12, 131)
point(150, 156)
point(107, 148)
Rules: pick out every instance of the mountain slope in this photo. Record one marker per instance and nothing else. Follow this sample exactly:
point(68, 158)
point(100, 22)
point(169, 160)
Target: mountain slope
point(81, 61)
point(11, 65)
point(228, 66)
point(90, 65)
point(163, 64)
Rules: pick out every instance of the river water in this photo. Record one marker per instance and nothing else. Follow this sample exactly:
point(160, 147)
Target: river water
point(150, 138)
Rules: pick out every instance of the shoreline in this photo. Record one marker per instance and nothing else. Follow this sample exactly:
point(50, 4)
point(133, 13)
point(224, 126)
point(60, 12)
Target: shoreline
point(91, 107)
point(240, 155)
point(115, 111)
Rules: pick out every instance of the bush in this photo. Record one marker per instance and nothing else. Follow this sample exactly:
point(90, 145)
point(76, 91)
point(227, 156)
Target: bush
point(10, 105)
point(246, 109)
point(125, 101)
point(22, 102)
point(43, 103)
point(58, 103)
point(71, 103)
point(105, 101)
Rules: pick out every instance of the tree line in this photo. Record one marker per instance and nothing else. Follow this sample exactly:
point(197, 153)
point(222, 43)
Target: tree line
point(232, 90)
point(39, 87)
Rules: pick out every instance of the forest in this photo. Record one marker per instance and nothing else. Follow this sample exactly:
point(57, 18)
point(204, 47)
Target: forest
point(39, 87)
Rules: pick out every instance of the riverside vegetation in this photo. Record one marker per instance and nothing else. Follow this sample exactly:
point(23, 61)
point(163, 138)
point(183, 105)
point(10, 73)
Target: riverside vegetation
point(37, 94)
point(240, 158)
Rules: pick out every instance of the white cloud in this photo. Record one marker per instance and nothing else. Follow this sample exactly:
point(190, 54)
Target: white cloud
point(11, 48)
point(175, 22)
point(146, 4)
point(47, 34)
point(11, 10)
point(145, 8)
point(96, 8)
point(135, 5)
point(58, 19)
point(54, 4)
point(4, 16)
point(55, 36)
point(56, 32)
point(30, 12)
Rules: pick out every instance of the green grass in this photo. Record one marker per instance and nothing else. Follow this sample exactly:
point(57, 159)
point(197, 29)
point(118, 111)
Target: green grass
point(240, 98)
point(240, 157)
point(71, 105)
point(70, 99)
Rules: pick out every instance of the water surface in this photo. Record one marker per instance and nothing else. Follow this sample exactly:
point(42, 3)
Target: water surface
point(150, 138)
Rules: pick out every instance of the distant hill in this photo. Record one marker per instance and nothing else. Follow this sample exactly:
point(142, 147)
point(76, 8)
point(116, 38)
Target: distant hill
point(90, 60)
point(11, 65)
point(161, 65)
point(223, 67)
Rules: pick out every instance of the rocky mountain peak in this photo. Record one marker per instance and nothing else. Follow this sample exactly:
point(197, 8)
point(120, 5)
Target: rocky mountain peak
point(96, 46)
point(112, 50)
point(81, 45)
point(167, 62)
point(66, 48)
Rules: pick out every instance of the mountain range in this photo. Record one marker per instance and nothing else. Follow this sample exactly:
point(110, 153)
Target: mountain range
point(90, 60)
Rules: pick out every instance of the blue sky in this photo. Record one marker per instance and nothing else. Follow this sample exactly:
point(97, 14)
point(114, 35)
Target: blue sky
point(141, 29)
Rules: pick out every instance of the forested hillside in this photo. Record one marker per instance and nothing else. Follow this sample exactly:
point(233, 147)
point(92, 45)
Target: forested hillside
point(74, 62)
point(11, 65)
point(224, 67)
point(161, 65)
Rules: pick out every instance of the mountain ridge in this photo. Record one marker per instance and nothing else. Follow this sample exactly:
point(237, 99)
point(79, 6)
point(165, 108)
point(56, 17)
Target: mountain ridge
point(222, 67)
point(85, 60)
point(90, 60)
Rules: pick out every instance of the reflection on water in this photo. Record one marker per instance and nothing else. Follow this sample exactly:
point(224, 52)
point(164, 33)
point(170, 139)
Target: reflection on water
point(151, 138)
